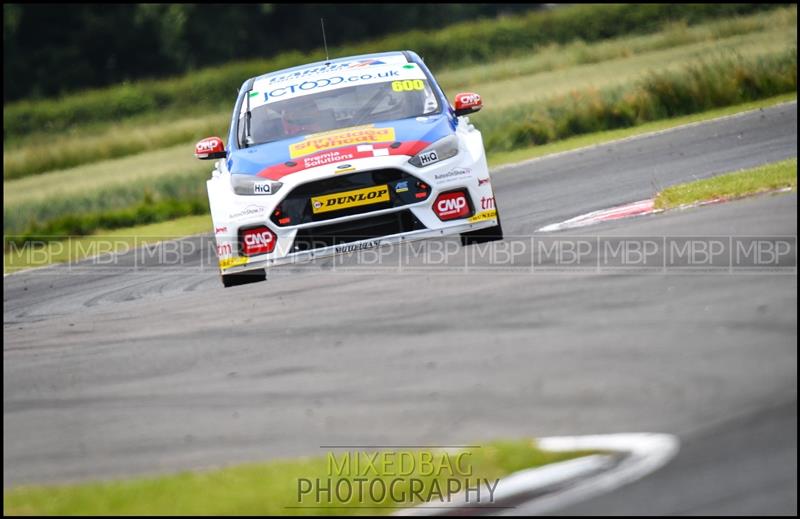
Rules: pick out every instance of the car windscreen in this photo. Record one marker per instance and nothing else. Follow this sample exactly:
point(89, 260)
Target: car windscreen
point(338, 108)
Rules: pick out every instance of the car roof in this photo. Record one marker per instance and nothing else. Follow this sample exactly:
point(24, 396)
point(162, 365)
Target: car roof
point(331, 63)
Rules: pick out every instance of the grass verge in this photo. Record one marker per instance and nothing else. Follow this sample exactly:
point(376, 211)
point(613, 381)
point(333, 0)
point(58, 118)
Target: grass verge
point(770, 177)
point(702, 85)
point(272, 488)
point(502, 158)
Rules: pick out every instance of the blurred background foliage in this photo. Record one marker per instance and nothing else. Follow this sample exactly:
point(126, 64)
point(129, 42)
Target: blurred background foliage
point(55, 49)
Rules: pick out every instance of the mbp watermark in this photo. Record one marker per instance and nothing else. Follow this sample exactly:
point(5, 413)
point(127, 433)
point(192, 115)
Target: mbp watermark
point(396, 479)
point(531, 254)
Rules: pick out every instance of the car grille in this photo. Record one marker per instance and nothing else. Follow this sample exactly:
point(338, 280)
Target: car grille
point(404, 189)
point(355, 230)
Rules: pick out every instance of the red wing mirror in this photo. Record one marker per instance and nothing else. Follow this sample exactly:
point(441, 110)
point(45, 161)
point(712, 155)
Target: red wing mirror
point(210, 148)
point(467, 103)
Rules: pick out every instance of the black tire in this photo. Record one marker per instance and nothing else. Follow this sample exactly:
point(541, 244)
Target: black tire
point(243, 278)
point(483, 235)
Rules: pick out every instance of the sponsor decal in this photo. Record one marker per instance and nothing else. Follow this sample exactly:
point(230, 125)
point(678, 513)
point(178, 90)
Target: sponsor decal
point(224, 250)
point(483, 181)
point(226, 263)
point(484, 215)
point(428, 158)
point(487, 202)
point(250, 210)
point(329, 157)
point(453, 174)
point(210, 145)
point(336, 67)
point(310, 85)
point(401, 187)
point(218, 230)
point(337, 139)
point(361, 151)
point(408, 85)
point(262, 188)
point(355, 198)
point(469, 99)
point(258, 241)
point(347, 168)
point(311, 80)
point(452, 205)
point(357, 246)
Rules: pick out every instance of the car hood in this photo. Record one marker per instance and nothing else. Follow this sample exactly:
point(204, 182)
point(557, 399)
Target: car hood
point(276, 160)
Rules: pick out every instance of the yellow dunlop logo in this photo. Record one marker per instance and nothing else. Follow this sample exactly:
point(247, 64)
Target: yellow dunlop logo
point(485, 215)
point(330, 140)
point(336, 201)
point(226, 263)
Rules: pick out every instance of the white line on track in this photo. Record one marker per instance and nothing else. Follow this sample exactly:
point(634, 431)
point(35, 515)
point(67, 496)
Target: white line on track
point(643, 207)
point(559, 485)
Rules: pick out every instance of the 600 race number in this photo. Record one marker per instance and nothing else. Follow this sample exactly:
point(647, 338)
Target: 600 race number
point(407, 85)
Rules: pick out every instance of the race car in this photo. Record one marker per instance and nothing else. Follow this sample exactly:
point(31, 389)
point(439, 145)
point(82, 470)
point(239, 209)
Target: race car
point(345, 155)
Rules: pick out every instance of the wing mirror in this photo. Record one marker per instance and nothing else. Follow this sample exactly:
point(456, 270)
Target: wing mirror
point(467, 103)
point(210, 148)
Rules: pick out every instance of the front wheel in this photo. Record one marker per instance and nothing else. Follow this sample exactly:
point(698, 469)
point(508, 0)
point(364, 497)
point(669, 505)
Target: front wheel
point(483, 235)
point(243, 278)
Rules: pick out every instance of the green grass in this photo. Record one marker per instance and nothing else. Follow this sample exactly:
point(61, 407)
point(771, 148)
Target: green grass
point(551, 70)
point(147, 167)
point(672, 35)
point(699, 86)
point(771, 177)
point(540, 87)
point(270, 488)
point(47, 153)
point(503, 158)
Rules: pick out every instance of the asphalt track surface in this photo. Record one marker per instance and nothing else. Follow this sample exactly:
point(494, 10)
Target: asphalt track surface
point(137, 368)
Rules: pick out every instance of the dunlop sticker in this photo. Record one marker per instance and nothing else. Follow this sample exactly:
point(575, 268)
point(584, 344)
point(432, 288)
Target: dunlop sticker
point(226, 263)
point(484, 215)
point(336, 201)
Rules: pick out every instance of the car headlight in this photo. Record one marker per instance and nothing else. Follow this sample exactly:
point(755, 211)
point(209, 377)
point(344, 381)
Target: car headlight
point(440, 150)
point(250, 185)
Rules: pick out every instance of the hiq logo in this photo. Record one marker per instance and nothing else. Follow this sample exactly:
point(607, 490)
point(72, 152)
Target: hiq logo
point(262, 188)
point(428, 158)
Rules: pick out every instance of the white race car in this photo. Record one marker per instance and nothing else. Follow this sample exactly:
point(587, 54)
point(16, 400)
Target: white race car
point(345, 155)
